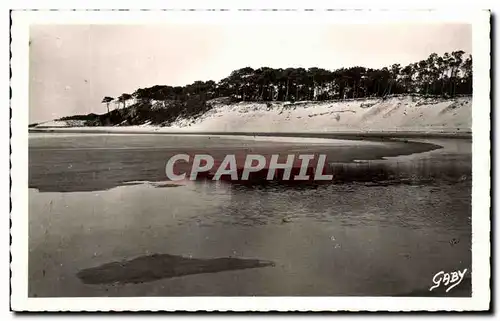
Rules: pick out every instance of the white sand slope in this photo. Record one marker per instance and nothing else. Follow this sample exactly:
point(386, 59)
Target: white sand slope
point(62, 123)
point(392, 114)
point(404, 113)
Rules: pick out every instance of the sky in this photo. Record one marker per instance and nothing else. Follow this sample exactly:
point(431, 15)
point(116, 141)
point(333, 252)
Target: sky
point(72, 67)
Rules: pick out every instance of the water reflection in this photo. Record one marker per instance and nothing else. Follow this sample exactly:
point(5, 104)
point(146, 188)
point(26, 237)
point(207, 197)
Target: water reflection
point(429, 192)
point(382, 228)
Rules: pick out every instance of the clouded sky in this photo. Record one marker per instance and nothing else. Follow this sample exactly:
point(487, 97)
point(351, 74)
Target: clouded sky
point(73, 67)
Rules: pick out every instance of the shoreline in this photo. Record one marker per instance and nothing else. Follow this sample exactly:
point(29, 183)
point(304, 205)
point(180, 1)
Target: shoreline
point(352, 135)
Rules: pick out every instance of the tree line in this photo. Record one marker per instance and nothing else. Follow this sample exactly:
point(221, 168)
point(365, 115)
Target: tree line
point(446, 76)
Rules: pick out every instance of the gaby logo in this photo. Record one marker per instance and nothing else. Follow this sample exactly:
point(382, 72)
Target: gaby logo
point(238, 168)
point(453, 279)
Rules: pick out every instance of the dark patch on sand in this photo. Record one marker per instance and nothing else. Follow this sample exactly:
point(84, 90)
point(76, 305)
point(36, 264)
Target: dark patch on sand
point(167, 185)
point(132, 183)
point(160, 266)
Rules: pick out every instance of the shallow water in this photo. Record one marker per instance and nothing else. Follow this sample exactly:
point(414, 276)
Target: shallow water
point(385, 229)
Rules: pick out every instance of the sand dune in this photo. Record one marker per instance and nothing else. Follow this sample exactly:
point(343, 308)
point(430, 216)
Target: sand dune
point(392, 114)
point(403, 113)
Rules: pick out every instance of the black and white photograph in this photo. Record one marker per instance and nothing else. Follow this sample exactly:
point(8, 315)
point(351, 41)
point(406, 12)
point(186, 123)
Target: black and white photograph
point(307, 160)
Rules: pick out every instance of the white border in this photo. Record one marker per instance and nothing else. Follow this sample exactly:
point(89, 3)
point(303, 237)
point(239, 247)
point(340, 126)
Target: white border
point(481, 164)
